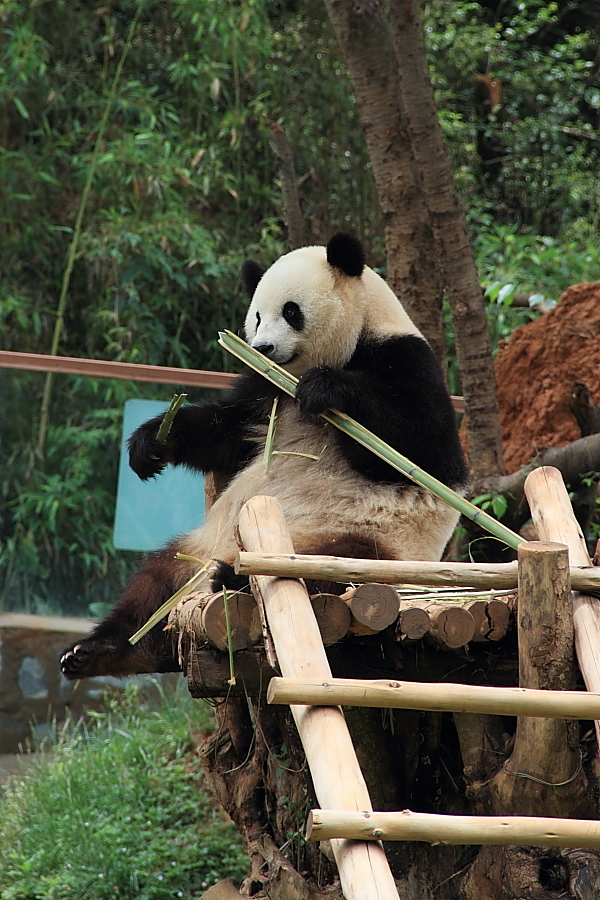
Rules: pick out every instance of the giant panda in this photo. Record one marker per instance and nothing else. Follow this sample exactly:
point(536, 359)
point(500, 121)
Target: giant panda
point(327, 318)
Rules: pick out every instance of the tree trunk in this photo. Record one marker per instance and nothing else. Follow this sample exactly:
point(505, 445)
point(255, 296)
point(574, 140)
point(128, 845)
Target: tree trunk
point(289, 187)
point(365, 40)
point(454, 258)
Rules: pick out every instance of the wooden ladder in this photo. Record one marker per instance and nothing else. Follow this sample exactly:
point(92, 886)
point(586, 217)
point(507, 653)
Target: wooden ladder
point(346, 815)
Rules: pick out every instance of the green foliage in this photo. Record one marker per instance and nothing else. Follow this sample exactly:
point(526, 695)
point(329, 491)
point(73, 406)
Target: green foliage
point(495, 504)
point(534, 156)
point(119, 809)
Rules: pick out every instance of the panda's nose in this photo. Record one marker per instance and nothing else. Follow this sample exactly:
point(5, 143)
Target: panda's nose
point(265, 349)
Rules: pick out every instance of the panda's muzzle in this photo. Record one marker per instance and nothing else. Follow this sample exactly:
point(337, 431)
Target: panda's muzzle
point(268, 350)
point(265, 349)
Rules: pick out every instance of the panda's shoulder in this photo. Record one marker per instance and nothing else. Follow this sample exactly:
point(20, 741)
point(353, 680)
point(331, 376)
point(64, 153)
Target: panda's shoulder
point(402, 354)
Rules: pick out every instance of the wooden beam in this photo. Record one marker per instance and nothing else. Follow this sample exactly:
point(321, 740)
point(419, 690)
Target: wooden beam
point(390, 694)
point(103, 368)
point(336, 775)
point(324, 824)
point(501, 576)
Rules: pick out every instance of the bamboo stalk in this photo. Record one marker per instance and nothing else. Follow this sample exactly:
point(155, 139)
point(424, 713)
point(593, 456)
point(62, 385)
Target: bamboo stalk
point(325, 824)
point(336, 774)
point(366, 438)
point(346, 571)
point(443, 697)
point(177, 401)
point(169, 604)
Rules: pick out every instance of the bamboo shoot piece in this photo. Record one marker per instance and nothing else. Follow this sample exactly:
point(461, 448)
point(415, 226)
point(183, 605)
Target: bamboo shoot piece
point(441, 697)
point(324, 824)
point(501, 576)
point(336, 775)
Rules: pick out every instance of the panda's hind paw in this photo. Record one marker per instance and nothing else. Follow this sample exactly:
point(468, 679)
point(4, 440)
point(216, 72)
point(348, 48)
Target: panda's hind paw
point(92, 657)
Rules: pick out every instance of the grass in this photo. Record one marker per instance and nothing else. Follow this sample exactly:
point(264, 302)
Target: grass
point(119, 810)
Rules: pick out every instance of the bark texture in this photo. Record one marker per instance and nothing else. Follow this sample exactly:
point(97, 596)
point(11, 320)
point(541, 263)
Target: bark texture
point(454, 257)
point(289, 187)
point(366, 42)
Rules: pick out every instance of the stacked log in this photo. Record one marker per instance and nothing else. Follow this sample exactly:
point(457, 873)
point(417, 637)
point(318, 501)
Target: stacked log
point(362, 611)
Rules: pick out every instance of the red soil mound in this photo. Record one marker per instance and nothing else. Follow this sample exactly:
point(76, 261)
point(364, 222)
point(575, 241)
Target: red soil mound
point(536, 369)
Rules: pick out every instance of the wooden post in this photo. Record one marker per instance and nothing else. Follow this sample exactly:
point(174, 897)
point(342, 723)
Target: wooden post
point(545, 749)
point(337, 778)
point(553, 518)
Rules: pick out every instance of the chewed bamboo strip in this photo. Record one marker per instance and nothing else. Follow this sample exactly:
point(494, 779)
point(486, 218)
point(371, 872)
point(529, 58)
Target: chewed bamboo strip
point(169, 604)
point(325, 824)
point(456, 595)
point(437, 697)
point(366, 438)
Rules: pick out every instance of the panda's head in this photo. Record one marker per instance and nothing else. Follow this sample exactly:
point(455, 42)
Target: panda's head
point(312, 306)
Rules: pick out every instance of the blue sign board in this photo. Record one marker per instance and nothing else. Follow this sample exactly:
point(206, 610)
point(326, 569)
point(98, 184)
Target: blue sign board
point(150, 513)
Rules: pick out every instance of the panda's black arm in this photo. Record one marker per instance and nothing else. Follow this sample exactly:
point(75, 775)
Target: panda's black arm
point(205, 437)
point(395, 389)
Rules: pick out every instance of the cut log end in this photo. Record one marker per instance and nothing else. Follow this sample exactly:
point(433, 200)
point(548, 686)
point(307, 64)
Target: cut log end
point(333, 617)
point(374, 606)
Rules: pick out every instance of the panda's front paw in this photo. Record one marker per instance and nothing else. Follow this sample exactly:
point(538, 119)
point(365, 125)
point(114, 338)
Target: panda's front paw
point(147, 457)
point(319, 389)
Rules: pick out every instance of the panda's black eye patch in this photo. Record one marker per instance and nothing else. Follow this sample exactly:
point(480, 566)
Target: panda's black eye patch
point(293, 315)
point(257, 319)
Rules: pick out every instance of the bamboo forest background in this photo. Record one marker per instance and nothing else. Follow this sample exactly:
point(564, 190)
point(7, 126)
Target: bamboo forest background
point(185, 188)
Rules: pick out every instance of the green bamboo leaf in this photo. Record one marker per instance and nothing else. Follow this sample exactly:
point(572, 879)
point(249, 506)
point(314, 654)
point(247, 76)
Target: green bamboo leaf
point(20, 108)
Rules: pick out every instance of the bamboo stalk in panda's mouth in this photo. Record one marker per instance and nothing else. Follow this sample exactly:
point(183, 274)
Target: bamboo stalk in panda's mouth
point(282, 379)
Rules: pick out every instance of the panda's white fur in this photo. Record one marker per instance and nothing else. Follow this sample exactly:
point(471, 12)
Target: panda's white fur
point(352, 345)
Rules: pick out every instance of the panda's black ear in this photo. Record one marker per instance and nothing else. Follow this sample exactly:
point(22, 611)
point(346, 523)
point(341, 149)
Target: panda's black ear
point(251, 274)
point(346, 253)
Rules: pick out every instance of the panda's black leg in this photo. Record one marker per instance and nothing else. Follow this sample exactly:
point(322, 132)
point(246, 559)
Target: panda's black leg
point(225, 577)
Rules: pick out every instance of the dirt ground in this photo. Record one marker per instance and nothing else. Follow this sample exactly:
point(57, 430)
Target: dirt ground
point(536, 369)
